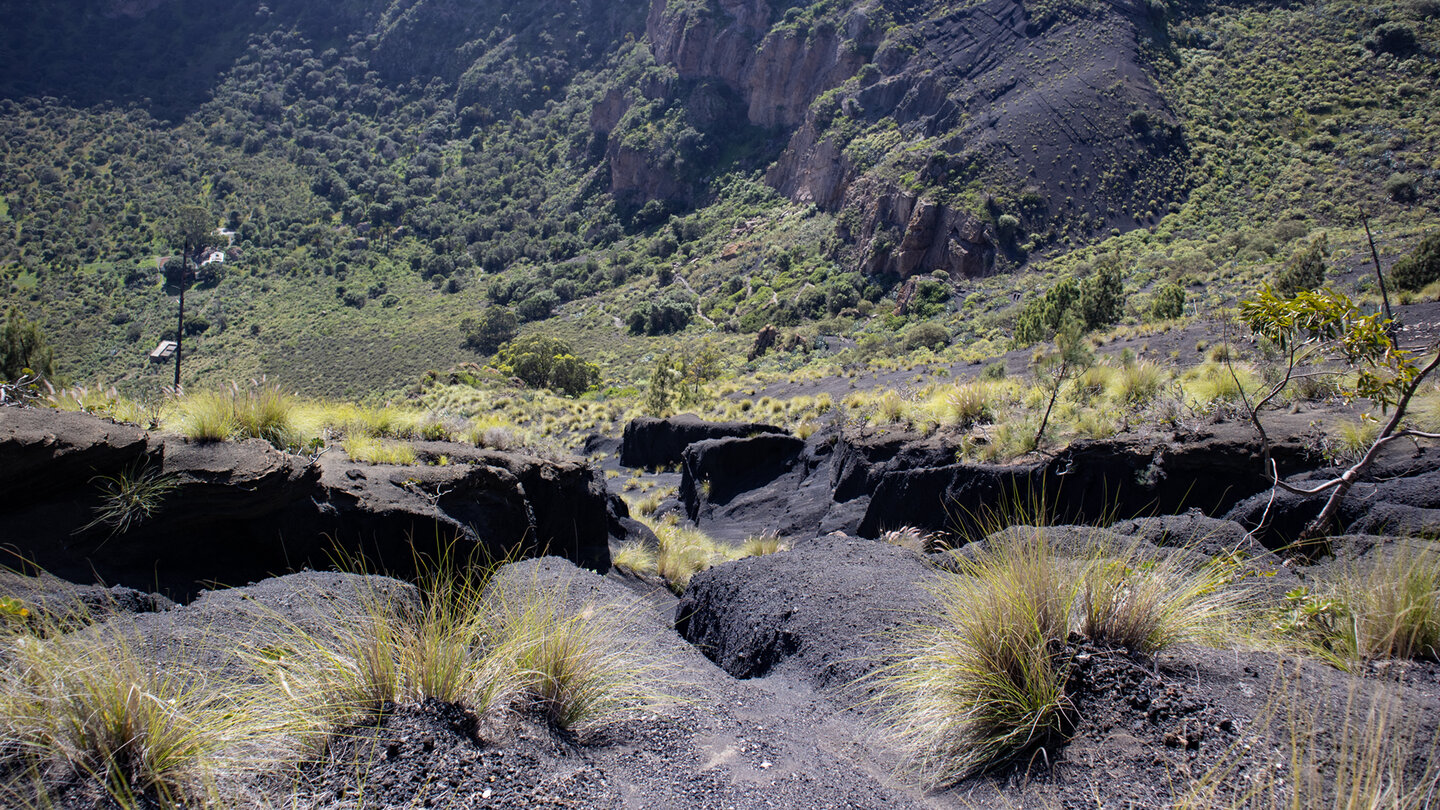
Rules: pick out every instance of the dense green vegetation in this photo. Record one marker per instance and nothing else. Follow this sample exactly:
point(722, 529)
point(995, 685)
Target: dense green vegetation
point(390, 184)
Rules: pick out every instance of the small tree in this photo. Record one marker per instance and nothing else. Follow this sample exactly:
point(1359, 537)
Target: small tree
point(678, 379)
point(1070, 357)
point(1421, 267)
point(1102, 296)
point(1304, 270)
point(1043, 316)
point(1169, 302)
point(494, 327)
point(1315, 326)
point(23, 348)
point(544, 362)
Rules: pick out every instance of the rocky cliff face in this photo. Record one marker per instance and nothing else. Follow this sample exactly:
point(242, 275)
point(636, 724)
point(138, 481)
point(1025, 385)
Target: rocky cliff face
point(778, 70)
point(922, 126)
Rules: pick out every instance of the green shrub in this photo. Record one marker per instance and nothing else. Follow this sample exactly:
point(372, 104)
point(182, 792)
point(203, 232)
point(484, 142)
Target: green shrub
point(1421, 267)
point(23, 346)
point(927, 335)
point(1304, 270)
point(544, 362)
point(494, 327)
point(1168, 303)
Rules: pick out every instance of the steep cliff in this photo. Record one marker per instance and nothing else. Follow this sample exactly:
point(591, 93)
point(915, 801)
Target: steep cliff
point(924, 124)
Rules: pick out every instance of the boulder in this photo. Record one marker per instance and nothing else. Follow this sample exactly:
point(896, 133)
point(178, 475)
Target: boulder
point(1397, 519)
point(221, 630)
point(920, 484)
point(715, 471)
point(739, 487)
point(821, 612)
point(651, 442)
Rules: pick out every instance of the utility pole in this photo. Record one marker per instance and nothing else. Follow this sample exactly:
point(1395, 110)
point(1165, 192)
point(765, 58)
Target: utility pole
point(180, 322)
point(193, 227)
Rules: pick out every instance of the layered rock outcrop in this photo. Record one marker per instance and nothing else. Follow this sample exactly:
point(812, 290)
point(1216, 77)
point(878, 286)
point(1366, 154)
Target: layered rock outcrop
point(235, 512)
point(651, 442)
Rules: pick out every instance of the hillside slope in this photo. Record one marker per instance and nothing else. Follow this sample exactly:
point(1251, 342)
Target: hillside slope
point(389, 168)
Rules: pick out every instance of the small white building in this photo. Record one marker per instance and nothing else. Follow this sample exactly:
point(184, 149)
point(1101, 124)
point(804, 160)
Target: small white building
point(164, 351)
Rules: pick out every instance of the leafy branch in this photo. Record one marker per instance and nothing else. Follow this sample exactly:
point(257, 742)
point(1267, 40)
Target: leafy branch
point(1325, 324)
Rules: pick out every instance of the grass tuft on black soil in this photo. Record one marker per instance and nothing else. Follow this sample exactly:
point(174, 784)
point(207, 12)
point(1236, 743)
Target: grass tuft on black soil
point(985, 684)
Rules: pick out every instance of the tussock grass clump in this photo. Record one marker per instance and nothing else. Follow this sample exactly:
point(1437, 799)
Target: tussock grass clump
point(1147, 605)
point(92, 706)
point(469, 639)
point(1094, 423)
point(758, 545)
point(1010, 439)
point(103, 401)
point(636, 557)
point(1397, 605)
point(130, 497)
point(1389, 608)
point(889, 408)
point(1137, 384)
point(985, 683)
point(1349, 439)
point(685, 551)
point(1215, 383)
point(1092, 383)
point(373, 450)
point(258, 411)
point(565, 663)
point(492, 432)
point(908, 537)
point(647, 504)
point(973, 403)
point(205, 416)
point(264, 412)
point(1424, 412)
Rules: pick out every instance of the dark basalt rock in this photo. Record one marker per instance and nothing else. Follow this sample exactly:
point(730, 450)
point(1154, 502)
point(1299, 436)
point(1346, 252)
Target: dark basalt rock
point(717, 470)
point(1192, 530)
point(920, 483)
point(1397, 519)
point(242, 511)
point(44, 449)
point(819, 612)
point(53, 601)
point(650, 442)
